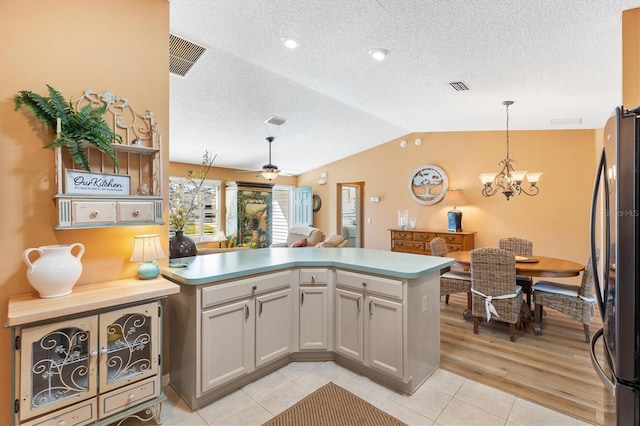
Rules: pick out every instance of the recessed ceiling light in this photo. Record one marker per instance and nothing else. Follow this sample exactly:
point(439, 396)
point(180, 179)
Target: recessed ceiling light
point(290, 42)
point(379, 54)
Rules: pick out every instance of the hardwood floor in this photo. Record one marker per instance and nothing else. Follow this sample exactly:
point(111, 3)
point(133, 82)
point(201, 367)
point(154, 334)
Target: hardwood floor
point(553, 369)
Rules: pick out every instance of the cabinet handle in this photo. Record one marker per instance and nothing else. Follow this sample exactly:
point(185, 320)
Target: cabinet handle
point(313, 279)
point(62, 423)
point(302, 298)
point(358, 304)
point(104, 351)
point(131, 397)
point(246, 312)
point(136, 212)
point(95, 213)
point(364, 284)
point(259, 308)
point(94, 354)
point(370, 307)
point(254, 288)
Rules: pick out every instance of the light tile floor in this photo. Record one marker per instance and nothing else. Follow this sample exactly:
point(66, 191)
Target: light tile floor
point(444, 399)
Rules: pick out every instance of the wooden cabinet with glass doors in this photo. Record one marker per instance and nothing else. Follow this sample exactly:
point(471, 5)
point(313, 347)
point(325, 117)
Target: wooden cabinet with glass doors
point(89, 369)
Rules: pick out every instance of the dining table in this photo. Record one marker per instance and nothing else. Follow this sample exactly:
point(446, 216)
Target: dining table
point(532, 266)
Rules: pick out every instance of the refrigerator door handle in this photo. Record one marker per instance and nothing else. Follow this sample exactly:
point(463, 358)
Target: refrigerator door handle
point(611, 386)
point(600, 286)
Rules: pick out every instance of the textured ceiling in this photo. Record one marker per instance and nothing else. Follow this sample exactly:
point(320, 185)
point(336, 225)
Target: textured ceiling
point(560, 61)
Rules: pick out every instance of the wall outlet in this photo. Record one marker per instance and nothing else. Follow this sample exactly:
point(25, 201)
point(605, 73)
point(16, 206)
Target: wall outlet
point(424, 303)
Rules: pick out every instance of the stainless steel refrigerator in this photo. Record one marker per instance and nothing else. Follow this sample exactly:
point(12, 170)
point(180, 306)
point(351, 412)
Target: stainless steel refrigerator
point(615, 227)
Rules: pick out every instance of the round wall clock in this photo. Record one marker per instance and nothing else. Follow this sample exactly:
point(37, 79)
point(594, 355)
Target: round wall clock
point(428, 184)
point(317, 203)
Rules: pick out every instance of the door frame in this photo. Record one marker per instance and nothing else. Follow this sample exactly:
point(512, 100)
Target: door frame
point(359, 209)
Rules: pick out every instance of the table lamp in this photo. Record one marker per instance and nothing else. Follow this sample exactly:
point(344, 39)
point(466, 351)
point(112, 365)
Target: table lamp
point(454, 197)
point(146, 249)
point(221, 238)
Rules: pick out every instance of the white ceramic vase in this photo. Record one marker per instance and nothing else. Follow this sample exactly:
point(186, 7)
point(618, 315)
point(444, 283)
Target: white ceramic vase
point(56, 270)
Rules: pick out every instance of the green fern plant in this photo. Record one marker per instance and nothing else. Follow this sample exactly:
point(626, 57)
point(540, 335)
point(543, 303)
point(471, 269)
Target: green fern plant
point(78, 128)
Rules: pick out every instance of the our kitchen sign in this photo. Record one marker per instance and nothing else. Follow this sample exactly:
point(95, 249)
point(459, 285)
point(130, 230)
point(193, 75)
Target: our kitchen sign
point(80, 182)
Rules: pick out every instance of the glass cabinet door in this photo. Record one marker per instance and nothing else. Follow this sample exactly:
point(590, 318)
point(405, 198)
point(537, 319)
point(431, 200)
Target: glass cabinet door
point(58, 365)
point(128, 345)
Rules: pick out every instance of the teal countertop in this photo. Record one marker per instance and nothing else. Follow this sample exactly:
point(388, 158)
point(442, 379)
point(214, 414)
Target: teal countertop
point(217, 267)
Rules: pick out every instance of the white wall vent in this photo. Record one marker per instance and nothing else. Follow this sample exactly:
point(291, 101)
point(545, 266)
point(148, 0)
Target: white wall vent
point(183, 54)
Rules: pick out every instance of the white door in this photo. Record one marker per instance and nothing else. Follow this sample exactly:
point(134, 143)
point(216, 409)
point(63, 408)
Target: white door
point(302, 206)
point(314, 321)
point(227, 343)
point(349, 324)
point(274, 326)
point(384, 335)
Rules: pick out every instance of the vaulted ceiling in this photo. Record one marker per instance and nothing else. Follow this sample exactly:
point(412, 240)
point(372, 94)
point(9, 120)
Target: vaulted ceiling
point(560, 61)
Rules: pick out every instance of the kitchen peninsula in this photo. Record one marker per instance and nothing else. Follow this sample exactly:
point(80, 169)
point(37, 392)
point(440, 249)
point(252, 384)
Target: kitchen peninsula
point(242, 315)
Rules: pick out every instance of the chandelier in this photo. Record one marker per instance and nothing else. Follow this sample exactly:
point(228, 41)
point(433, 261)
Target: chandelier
point(509, 181)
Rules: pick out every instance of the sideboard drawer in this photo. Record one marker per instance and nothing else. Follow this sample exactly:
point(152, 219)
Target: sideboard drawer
point(136, 211)
point(452, 238)
point(87, 212)
point(408, 246)
point(77, 415)
point(424, 236)
point(401, 235)
point(129, 396)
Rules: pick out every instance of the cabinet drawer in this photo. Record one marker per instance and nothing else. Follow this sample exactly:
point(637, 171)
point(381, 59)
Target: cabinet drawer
point(401, 235)
point(221, 293)
point(135, 211)
point(452, 238)
point(128, 396)
point(314, 276)
point(77, 415)
point(424, 236)
point(87, 212)
point(408, 246)
point(370, 284)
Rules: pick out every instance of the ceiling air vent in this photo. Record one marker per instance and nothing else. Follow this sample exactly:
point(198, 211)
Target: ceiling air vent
point(459, 86)
point(276, 121)
point(182, 55)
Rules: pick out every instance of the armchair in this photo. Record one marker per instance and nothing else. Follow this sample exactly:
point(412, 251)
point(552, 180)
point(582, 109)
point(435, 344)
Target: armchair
point(304, 236)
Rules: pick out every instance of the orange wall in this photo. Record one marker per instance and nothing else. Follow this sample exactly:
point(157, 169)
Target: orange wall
point(73, 45)
point(631, 58)
point(556, 219)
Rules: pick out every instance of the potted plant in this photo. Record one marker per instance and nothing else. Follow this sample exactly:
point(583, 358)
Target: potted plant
point(181, 208)
point(77, 128)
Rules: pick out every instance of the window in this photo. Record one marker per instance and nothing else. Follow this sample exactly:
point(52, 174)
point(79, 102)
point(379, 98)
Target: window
point(204, 222)
point(281, 215)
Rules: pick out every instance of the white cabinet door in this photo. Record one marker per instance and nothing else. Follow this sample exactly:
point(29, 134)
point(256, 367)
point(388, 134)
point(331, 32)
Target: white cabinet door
point(384, 335)
point(314, 320)
point(274, 326)
point(349, 332)
point(58, 365)
point(227, 343)
point(128, 345)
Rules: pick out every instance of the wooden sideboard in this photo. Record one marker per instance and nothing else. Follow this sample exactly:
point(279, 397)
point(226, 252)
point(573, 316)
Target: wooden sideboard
point(417, 240)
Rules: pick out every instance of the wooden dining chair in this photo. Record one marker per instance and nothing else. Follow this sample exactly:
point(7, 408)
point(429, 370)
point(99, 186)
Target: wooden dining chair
point(494, 292)
point(573, 301)
point(521, 247)
point(451, 282)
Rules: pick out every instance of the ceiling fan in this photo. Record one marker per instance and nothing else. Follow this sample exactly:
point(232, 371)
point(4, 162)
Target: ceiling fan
point(269, 171)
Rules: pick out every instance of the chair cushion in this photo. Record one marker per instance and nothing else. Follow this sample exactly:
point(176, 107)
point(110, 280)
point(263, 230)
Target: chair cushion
point(556, 288)
point(465, 276)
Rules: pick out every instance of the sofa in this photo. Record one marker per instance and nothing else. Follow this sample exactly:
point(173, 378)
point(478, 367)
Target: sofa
point(302, 236)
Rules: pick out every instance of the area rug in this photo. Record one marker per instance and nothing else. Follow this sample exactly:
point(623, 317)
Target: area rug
point(333, 406)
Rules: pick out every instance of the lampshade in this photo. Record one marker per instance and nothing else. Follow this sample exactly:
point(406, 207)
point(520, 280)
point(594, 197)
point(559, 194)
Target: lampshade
point(454, 197)
point(221, 236)
point(146, 248)
point(269, 174)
